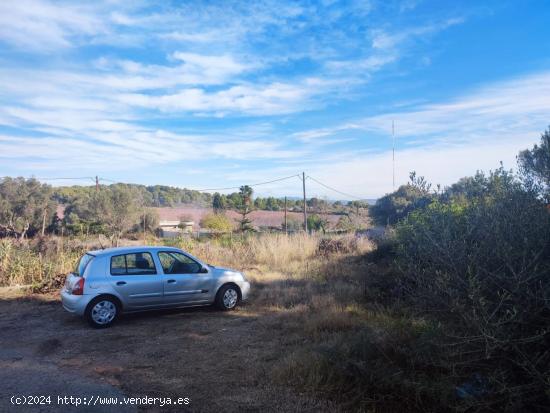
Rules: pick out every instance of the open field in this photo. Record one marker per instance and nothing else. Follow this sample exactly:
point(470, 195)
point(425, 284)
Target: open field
point(432, 318)
point(232, 361)
point(221, 361)
point(259, 218)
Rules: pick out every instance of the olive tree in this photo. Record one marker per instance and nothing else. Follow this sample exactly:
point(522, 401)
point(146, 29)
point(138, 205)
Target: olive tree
point(112, 211)
point(26, 207)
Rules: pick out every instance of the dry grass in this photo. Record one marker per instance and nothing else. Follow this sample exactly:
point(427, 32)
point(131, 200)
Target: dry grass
point(309, 289)
point(275, 252)
point(36, 263)
point(269, 257)
point(264, 257)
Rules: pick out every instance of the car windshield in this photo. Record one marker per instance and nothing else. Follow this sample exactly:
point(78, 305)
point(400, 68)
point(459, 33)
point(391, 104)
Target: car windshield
point(82, 264)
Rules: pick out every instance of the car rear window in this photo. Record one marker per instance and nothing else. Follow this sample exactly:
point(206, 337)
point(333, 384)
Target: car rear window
point(140, 263)
point(83, 263)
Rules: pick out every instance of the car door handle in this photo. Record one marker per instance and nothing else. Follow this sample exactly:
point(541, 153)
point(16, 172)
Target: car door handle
point(171, 281)
point(121, 283)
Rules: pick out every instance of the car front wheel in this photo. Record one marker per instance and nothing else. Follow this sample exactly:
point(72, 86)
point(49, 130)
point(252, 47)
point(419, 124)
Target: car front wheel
point(227, 298)
point(102, 312)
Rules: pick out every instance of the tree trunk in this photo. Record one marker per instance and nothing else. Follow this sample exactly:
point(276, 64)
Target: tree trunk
point(24, 232)
point(44, 222)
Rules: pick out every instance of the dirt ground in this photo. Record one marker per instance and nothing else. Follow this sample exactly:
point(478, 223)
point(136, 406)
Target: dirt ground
point(221, 361)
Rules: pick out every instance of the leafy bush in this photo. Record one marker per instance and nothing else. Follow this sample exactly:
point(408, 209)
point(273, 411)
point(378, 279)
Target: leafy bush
point(535, 164)
point(345, 223)
point(292, 224)
point(217, 223)
point(316, 223)
point(481, 266)
point(393, 207)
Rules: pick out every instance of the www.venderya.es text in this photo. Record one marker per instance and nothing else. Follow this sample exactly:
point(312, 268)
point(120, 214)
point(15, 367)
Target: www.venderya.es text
point(95, 400)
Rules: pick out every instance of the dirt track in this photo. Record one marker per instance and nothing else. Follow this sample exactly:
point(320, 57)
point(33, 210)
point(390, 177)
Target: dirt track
point(221, 361)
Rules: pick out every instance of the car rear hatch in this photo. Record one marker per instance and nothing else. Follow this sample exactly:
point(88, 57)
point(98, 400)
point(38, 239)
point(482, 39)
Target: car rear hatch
point(74, 283)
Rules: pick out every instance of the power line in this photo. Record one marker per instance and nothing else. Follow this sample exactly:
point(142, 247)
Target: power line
point(82, 178)
point(256, 184)
point(218, 189)
point(334, 189)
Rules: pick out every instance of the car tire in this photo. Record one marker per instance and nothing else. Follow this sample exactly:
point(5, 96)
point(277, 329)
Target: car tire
point(102, 312)
point(227, 298)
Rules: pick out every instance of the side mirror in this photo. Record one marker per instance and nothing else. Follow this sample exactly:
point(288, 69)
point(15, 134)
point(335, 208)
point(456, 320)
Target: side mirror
point(203, 270)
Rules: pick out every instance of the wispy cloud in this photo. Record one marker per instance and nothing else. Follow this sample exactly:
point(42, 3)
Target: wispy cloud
point(443, 141)
point(249, 89)
point(383, 39)
point(506, 109)
point(509, 109)
point(387, 46)
point(271, 99)
point(42, 26)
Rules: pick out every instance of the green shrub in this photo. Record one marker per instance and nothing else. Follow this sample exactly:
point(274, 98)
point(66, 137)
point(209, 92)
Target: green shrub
point(316, 223)
point(345, 223)
point(393, 207)
point(481, 266)
point(535, 164)
point(217, 223)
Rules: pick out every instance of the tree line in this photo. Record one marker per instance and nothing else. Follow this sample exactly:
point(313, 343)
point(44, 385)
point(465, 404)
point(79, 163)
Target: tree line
point(169, 196)
point(29, 207)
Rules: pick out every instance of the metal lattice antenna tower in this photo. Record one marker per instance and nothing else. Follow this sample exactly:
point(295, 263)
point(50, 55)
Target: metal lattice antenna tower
point(393, 153)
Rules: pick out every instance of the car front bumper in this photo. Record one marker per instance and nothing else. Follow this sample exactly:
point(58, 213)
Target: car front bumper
point(245, 290)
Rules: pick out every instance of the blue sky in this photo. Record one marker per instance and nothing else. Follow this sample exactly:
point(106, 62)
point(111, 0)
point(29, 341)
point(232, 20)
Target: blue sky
point(214, 94)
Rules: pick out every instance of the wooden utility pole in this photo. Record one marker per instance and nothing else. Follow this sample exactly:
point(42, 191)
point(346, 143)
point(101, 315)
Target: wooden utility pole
point(96, 183)
point(286, 222)
point(144, 217)
point(305, 204)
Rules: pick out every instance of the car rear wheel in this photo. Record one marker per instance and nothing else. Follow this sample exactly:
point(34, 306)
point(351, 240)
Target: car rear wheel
point(102, 312)
point(227, 298)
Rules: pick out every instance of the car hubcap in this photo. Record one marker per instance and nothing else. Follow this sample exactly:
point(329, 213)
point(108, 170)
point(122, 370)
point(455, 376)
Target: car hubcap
point(103, 312)
point(230, 298)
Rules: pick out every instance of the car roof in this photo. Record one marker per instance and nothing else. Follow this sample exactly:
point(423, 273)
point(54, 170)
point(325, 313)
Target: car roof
point(129, 250)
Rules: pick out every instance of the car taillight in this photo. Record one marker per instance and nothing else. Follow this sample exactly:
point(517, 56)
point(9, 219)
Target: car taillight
point(78, 287)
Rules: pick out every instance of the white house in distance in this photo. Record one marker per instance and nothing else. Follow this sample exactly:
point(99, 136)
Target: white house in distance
point(174, 228)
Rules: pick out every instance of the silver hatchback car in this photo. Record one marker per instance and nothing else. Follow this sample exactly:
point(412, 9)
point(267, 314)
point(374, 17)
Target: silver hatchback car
point(115, 280)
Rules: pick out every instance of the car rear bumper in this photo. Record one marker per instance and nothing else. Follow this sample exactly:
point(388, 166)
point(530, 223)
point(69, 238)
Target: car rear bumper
point(75, 304)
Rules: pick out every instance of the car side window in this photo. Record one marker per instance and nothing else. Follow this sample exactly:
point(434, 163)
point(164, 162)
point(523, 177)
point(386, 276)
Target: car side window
point(178, 263)
point(140, 263)
point(118, 265)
